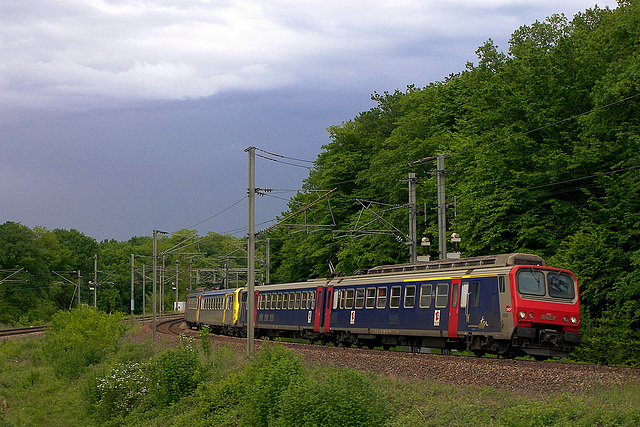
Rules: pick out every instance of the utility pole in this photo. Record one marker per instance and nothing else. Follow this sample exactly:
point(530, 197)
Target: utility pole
point(143, 293)
point(413, 253)
point(176, 306)
point(267, 254)
point(95, 281)
point(162, 286)
point(79, 283)
point(154, 321)
point(442, 213)
point(251, 249)
point(133, 266)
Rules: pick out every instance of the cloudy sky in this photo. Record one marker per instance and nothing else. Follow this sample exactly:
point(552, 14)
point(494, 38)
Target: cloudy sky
point(118, 117)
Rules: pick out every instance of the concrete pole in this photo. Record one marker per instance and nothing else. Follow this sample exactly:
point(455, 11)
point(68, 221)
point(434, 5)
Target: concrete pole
point(442, 212)
point(251, 250)
point(154, 297)
point(267, 255)
point(413, 253)
point(95, 281)
point(144, 302)
point(133, 266)
point(79, 283)
point(177, 263)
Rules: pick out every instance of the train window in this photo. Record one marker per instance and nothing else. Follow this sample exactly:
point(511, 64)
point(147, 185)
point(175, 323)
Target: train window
point(560, 285)
point(501, 283)
point(319, 300)
point(359, 297)
point(305, 300)
point(381, 301)
point(442, 295)
point(474, 295)
point(278, 301)
point(409, 296)
point(285, 301)
point(454, 296)
point(297, 303)
point(291, 300)
point(530, 282)
point(371, 297)
point(348, 304)
point(342, 295)
point(394, 302)
point(274, 301)
point(312, 299)
point(425, 296)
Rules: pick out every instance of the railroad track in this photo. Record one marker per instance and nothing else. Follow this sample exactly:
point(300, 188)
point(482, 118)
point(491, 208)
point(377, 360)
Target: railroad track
point(170, 325)
point(20, 332)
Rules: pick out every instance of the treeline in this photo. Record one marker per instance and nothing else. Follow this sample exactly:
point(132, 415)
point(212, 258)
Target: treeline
point(38, 269)
point(543, 156)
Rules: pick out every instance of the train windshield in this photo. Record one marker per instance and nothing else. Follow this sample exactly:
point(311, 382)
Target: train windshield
point(555, 284)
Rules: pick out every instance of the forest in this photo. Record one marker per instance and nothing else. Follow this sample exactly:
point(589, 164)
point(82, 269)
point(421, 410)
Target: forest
point(542, 155)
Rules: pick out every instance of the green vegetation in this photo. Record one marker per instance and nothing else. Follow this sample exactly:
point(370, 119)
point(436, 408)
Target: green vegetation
point(543, 156)
point(145, 384)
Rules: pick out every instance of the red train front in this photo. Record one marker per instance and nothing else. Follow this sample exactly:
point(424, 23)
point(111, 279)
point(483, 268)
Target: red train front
point(545, 309)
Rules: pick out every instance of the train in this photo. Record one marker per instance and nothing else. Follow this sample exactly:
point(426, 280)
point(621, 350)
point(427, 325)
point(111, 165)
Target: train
point(508, 304)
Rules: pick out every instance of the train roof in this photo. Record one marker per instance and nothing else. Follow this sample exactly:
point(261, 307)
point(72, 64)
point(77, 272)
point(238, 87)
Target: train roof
point(487, 261)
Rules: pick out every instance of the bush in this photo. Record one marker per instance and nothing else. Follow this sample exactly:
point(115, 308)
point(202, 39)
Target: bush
point(339, 398)
point(79, 338)
point(273, 370)
point(175, 373)
point(120, 391)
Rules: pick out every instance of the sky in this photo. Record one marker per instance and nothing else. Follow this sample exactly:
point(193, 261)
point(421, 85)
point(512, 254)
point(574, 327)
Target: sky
point(120, 117)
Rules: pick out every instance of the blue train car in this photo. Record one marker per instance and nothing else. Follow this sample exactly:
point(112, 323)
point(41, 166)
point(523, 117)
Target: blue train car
point(289, 310)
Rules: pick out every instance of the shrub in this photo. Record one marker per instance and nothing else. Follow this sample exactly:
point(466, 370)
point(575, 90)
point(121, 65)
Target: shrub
point(339, 398)
point(271, 373)
point(120, 391)
point(79, 338)
point(175, 373)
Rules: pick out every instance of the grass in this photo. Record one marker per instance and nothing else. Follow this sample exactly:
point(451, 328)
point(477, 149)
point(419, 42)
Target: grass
point(35, 395)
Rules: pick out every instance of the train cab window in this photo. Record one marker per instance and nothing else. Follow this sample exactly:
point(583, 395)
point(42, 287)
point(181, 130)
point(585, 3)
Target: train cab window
point(371, 297)
point(291, 300)
point(359, 297)
point(348, 303)
point(409, 296)
point(502, 284)
point(297, 301)
point(381, 301)
point(425, 296)
point(394, 302)
point(561, 285)
point(530, 282)
point(442, 295)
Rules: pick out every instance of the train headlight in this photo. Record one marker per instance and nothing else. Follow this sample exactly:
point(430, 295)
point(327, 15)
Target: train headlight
point(531, 316)
point(565, 319)
point(523, 315)
point(574, 320)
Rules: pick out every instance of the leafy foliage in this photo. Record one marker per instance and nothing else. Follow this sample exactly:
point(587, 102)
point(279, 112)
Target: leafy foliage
point(79, 338)
point(175, 373)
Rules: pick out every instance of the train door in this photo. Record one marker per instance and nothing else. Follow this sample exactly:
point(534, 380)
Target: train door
point(327, 308)
point(454, 308)
point(318, 308)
